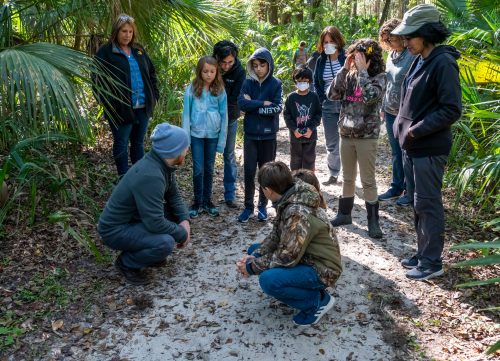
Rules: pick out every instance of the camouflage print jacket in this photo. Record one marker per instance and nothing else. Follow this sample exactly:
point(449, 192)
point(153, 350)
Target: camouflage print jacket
point(361, 97)
point(302, 234)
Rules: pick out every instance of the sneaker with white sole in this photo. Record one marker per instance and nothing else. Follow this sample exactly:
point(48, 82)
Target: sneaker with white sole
point(410, 263)
point(423, 273)
point(262, 213)
point(389, 195)
point(245, 215)
point(307, 319)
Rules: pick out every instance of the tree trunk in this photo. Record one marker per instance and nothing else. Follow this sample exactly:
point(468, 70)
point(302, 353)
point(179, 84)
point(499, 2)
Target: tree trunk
point(315, 4)
point(354, 11)
point(78, 35)
point(403, 8)
point(377, 8)
point(385, 12)
point(335, 6)
point(273, 12)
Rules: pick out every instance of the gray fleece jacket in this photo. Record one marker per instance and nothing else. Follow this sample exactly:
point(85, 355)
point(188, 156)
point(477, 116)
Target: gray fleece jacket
point(147, 193)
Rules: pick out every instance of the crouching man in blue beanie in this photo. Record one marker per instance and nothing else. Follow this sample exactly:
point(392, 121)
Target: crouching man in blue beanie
point(146, 216)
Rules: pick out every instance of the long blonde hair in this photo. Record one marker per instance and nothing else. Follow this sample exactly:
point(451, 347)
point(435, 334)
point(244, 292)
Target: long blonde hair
point(217, 85)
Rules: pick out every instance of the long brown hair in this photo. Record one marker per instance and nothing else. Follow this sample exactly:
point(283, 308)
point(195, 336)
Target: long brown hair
point(373, 53)
point(308, 176)
point(335, 34)
point(386, 29)
point(217, 85)
point(121, 20)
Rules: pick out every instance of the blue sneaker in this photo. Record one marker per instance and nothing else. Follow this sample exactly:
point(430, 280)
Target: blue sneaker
point(262, 213)
point(195, 210)
point(410, 263)
point(211, 209)
point(424, 273)
point(404, 200)
point(307, 319)
point(389, 195)
point(245, 215)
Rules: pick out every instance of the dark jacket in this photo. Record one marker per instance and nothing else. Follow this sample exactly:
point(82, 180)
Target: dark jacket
point(146, 194)
point(430, 104)
point(302, 112)
point(261, 122)
point(233, 80)
point(120, 110)
point(319, 83)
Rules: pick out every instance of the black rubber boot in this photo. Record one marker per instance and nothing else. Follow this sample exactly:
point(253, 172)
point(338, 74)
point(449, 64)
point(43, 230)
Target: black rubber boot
point(344, 214)
point(374, 230)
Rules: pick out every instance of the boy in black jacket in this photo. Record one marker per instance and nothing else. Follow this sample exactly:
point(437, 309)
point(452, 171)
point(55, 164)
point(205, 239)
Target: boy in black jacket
point(302, 115)
point(260, 99)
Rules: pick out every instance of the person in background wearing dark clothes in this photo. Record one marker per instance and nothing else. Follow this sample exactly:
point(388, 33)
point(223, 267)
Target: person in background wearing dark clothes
point(233, 75)
point(302, 115)
point(146, 215)
point(311, 62)
point(431, 102)
point(128, 116)
point(399, 61)
point(331, 46)
point(261, 100)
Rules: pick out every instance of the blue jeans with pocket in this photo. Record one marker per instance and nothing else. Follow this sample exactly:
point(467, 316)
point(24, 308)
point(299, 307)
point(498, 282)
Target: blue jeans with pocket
point(398, 176)
point(230, 167)
point(133, 133)
point(203, 151)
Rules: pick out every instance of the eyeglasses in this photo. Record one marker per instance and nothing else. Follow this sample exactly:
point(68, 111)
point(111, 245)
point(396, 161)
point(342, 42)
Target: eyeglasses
point(126, 18)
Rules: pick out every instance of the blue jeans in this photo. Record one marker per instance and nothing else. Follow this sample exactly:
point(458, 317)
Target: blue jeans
point(330, 117)
point(398, 177)
point(298, 287)
point(426, 174)
point(230, 168)
point(140, 248)
point(203, 151)
point(134, 133)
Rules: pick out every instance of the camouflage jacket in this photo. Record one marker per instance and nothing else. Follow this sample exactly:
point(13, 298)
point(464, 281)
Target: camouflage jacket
point(361, 97)
point(303, 234)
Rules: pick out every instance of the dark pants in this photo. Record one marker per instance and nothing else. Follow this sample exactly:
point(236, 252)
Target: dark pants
point(230, 167)
point(427, 175)
point(302, 155)
point(256, 153)
point(203, 152)
point(140, 248)
point(398, 177)
point(134, 133)
point(330, 118)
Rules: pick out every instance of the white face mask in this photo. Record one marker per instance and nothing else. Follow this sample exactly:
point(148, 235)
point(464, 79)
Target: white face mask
point(302, 86)
point(330, 49)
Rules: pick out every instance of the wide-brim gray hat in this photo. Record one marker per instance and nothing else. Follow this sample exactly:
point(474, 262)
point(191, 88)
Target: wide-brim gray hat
point(416, 17)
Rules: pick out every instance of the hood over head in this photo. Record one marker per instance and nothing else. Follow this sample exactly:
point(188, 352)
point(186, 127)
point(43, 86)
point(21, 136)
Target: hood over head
point(262, 54)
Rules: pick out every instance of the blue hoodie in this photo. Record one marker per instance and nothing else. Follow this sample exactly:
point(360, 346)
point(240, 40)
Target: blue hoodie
point(261, 122)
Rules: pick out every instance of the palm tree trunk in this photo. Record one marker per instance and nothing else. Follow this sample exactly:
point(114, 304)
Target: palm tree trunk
point(385, 12)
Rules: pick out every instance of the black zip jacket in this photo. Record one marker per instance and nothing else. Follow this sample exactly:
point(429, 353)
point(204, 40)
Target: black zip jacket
point(430, 103)
point(120, 110)
point(233, 80)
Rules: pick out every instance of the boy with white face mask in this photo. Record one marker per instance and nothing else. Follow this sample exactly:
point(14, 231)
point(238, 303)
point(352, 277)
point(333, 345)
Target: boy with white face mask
point(302, 116)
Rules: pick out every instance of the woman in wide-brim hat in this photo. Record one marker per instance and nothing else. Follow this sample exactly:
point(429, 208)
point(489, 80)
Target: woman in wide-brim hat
point(431, 103)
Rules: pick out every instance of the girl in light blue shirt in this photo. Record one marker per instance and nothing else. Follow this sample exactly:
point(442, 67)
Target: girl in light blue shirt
point(204, 117)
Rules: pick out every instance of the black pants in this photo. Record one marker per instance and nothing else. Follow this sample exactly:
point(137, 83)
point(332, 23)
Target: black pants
point(302, 155)
point(256, 152)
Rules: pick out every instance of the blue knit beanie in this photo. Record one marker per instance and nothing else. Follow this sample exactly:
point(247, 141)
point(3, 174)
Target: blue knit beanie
point(169, 141)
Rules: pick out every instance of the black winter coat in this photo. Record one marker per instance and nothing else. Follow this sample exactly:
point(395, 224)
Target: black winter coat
point(233, 80)
point(430, 103)
point(120, 110)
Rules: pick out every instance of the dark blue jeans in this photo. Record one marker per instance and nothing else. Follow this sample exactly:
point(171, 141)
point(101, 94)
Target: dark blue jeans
point(134, 133)
point(140, 248)
point(298, 287)
point(427, 173)
point(230, 168)
point(398, 177)
point(203, 152)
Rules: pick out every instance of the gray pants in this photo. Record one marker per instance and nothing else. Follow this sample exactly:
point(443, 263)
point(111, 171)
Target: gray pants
point(426, 175)
point(140, 248)
point(330, 114)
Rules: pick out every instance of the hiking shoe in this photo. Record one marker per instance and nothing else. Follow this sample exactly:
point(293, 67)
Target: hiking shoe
point(195, 210)
point(245, 215)
point(262, 213)
point(389, 195)
point(132, 275)
point(404, 201)
point(231, 204)
point(159, 264)
point(423, 273)
point(410, 263)
point(211, 209)
point(330, 181)
point(307, 319)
